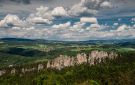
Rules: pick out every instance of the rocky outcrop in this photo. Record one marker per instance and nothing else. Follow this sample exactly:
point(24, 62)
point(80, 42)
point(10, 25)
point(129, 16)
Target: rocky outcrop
point(22, 70)
point(62, 61)
point(13, 71)
point(40, 67)
point(93, 58)
point(2, 72)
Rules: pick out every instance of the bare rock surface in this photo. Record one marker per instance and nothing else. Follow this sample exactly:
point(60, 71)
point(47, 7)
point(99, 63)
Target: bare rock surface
point(94, 57)
point(62, 61)
point(2, 72)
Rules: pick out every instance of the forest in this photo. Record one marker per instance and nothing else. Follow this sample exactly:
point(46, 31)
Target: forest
point(119, 71)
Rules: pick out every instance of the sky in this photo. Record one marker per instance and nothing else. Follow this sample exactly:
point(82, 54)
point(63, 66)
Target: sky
point(67, 20)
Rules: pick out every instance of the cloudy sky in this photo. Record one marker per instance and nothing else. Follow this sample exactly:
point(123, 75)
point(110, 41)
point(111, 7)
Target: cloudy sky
point(67, 19)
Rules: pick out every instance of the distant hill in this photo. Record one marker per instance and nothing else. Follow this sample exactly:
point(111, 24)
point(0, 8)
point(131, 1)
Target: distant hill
point(15, 39)
point(91, 42)
point(117, 41)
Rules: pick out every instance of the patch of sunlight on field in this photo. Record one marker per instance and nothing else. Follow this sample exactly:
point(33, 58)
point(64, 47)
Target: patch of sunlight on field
point(126, 49)
point(39, 47)
point(41, 60)
point(79, 49)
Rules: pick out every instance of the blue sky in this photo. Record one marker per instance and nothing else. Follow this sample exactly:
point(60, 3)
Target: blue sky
point(68, 20)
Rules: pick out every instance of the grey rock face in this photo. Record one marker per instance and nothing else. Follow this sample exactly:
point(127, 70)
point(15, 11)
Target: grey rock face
point(13, 71)
point(24, 70)
point(2, 72)
point(63, 61)
point(40, 67)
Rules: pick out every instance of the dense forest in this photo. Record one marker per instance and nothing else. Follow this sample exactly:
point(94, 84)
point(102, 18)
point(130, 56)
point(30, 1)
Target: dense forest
point(114, 72)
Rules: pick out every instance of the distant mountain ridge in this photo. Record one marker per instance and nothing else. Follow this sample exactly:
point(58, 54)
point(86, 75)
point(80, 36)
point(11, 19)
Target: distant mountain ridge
point(15, 39)
point(93, 42)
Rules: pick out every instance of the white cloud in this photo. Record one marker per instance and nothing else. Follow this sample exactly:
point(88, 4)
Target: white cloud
point(80, 8)
point(65, 25)
point(89, 7)
point(12, 20)
point(85, 7)
point(39, 20)
point(59, 11)
point(122, 28)
point(76, 34)
point(46, 15)
point(43, 15)
point(77, 26)
point(89, 19)
point(44, 12)
point(94, 26)
point(85, 29)
point(115, 24)
point(106, 4)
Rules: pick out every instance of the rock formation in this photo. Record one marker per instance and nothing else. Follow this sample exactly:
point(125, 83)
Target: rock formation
point(93, 58)
point(24, 70)
point(40, 67)
point(13, 71)
point(2, 72)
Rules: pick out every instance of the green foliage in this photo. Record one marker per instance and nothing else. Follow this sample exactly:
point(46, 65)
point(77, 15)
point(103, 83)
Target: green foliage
point(113, 72)
point(120, 71)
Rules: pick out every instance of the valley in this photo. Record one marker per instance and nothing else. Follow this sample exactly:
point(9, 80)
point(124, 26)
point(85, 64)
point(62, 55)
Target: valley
point(36, 62)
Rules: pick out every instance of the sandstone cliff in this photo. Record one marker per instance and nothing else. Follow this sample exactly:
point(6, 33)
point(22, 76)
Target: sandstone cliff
point(94, 57)
point(62, 61)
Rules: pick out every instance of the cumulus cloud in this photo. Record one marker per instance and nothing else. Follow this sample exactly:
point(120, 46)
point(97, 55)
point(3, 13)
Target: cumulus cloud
point(44, 12)
point(122, 28)
point(95, 27)
point(67, 31)
point(76, 34)
point(50, 14)
point(57, 23)
point(12, 20)
point(80, 8)
point(39, 20)
point(43, 15)
point(88, 19)
point(85, 7)
point(77, 26)
point(59, 11)
point(89, 7)
point(47, 15)
point(65, 25)
point(106, 4)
